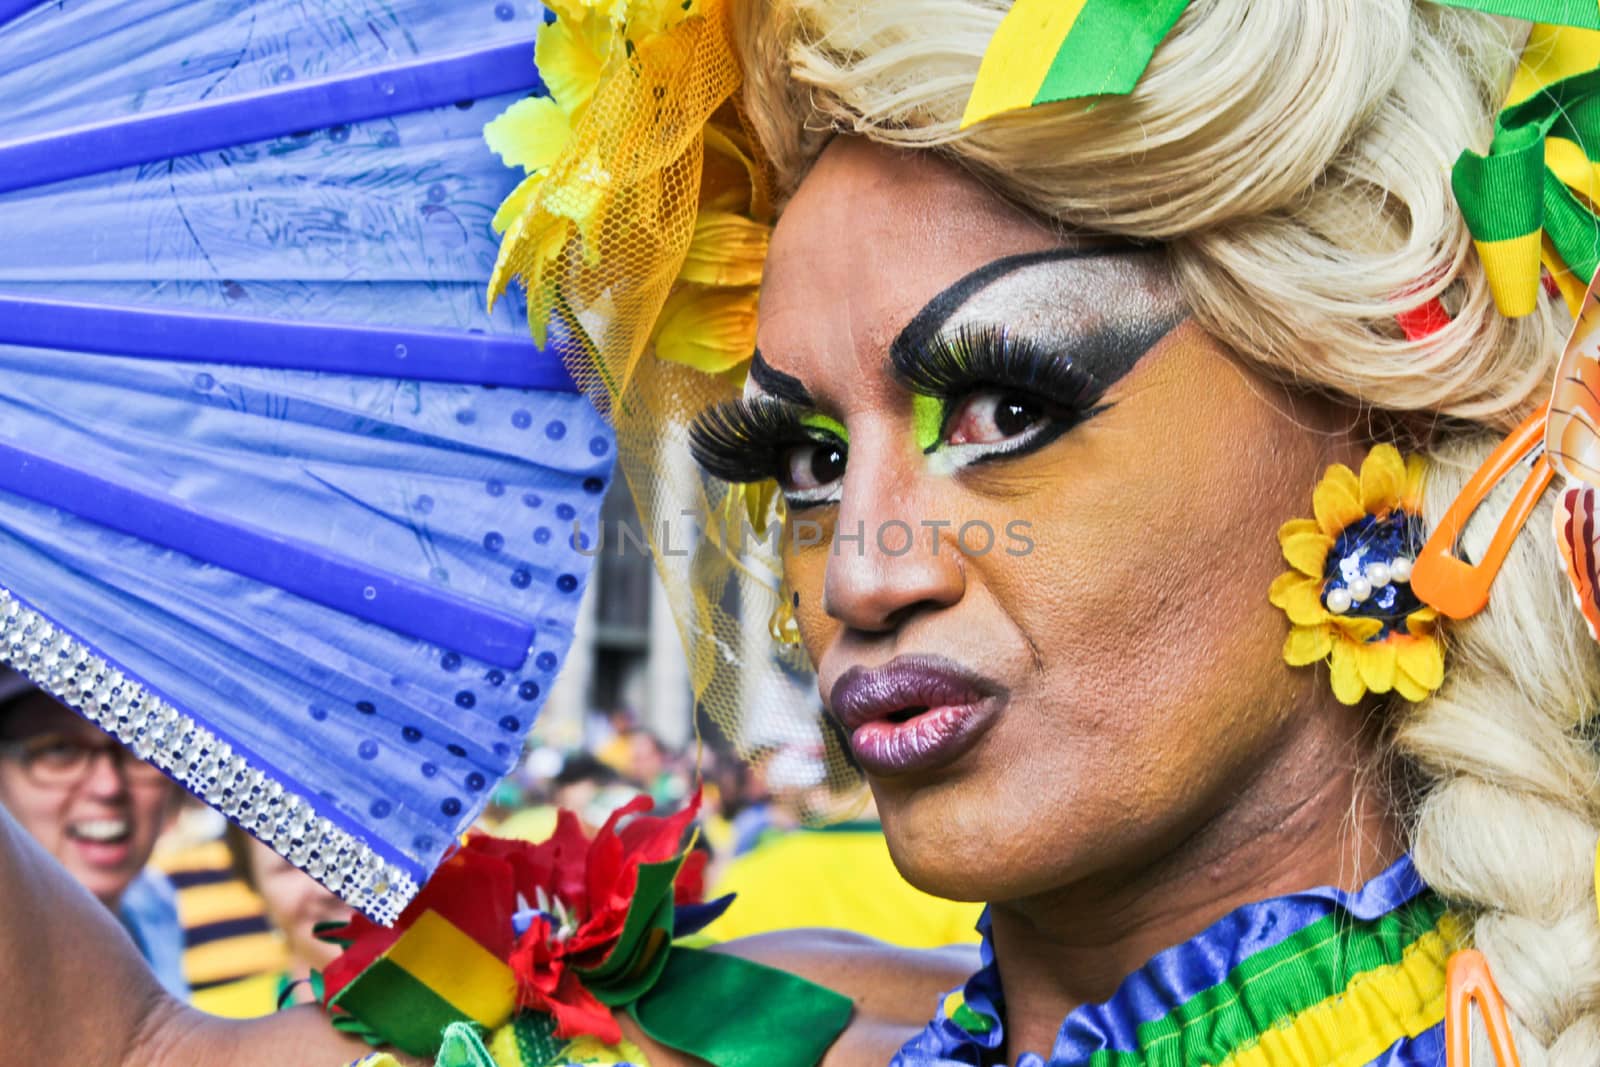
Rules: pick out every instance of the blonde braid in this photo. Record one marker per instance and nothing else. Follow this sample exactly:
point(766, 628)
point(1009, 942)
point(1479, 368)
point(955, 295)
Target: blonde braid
point(1509, 813)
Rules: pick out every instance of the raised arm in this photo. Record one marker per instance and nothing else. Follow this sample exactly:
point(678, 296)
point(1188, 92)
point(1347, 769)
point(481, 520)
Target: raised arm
point(74, 990)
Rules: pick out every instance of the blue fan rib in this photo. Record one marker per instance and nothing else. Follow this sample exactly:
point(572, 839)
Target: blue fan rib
point(10, 9)
point(334, 348)
point(181, 131)
point(395, 603)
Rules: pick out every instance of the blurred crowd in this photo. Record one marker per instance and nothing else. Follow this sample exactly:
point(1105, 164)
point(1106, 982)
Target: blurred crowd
point(228, 924)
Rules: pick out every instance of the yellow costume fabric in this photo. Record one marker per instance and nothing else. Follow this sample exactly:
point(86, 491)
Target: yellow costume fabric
point(507, 1052)
point(839, 877)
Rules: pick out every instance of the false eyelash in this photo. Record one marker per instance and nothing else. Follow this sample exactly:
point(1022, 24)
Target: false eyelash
point(744, 440)
point(952, 365)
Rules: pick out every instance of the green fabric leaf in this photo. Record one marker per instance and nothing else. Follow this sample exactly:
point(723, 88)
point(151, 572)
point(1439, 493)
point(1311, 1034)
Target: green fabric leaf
point(463, 1047)
point(323, 932)
point(651, 899)
point(399, 1008)
point(734, 1013)
point(642, 969)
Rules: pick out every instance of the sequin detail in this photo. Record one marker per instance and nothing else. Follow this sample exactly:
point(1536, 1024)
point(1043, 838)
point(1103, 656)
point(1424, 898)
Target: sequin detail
point(207, 766)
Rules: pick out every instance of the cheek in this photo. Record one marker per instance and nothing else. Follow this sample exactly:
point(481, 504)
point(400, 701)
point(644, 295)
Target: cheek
point(805, 570)
point(150, 808)
point(281, 899)
point(1146, 591)
point(43, 813)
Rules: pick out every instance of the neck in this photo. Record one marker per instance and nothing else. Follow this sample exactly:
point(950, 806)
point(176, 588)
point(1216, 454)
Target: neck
point(1283, 832)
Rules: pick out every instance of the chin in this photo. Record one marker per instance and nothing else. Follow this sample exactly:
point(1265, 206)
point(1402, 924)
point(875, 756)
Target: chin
point(945, 837)
point(995, 837)
point(106, 891)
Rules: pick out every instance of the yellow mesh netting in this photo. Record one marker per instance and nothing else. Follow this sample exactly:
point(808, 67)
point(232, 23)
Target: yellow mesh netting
point(643, 236)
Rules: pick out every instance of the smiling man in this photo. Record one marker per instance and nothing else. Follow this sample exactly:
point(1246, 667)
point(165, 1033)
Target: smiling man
point(97, 809)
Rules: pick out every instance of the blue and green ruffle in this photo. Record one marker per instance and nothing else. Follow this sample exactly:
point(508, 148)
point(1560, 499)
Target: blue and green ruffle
point(1322, 976)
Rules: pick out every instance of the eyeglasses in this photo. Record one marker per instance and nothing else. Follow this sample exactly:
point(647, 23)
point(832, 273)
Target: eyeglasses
point(60, 761)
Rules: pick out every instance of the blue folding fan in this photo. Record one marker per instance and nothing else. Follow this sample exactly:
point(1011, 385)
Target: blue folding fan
point(282, 506)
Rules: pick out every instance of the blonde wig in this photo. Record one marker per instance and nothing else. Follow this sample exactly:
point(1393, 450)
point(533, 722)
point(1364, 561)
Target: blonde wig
point(1294, 159)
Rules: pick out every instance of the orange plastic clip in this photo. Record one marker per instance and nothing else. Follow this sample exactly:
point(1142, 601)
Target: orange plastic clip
point(1448, 583)
point(1467, 979)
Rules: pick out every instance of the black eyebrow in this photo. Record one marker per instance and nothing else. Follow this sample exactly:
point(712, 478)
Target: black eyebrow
point(777, 384)
point(926, 324)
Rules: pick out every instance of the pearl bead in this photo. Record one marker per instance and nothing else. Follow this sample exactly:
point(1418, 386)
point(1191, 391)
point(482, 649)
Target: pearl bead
point(1360, 589)
point(1400, 569)
point(1378, 574)
point(1339, 601)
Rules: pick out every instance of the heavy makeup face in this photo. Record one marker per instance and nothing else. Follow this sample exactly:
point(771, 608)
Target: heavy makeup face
point(1032, 515)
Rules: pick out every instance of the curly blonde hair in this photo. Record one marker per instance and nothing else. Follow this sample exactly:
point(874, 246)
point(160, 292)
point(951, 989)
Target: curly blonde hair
point(1294, 159)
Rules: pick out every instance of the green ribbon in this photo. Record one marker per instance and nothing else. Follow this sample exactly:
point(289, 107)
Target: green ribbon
point(731, 1012)
point(1112, 42)
point(1510, 192)
point(1584, 14)
point(725, 1010)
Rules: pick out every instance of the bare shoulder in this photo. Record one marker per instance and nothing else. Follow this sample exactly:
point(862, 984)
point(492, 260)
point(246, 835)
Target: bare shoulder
point(895, 990)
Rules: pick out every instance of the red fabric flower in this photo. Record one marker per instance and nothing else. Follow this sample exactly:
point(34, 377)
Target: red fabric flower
point(547, 983)
point(591, 884)
point(582, 889)
point(690, 885)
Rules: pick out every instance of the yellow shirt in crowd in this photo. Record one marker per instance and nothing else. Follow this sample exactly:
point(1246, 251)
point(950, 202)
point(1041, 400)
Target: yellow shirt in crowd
point(840, 877)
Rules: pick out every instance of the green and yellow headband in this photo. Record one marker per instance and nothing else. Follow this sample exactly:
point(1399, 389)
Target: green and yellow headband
point(1047, 51)
point(1528, 202)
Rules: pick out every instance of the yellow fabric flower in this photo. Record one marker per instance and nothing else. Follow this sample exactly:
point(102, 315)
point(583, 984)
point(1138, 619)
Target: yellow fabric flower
point(711, 330)
point(572, 55)
point(597, 189)
point(1348, 596)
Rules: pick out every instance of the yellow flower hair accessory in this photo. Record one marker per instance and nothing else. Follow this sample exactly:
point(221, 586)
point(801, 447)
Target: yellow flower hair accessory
point(1349, 597)
point(640, 230)
point(643, 219)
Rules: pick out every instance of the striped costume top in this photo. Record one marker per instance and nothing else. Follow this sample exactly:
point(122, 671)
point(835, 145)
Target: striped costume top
point(1321, 977)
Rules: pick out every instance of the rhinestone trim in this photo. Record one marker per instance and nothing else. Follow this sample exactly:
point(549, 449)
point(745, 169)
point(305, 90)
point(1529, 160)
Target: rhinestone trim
point(201, 762)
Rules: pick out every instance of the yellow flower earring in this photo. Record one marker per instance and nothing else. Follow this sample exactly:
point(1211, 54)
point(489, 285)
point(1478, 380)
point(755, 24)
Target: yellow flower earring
point(783, 626)
point(1349, 597)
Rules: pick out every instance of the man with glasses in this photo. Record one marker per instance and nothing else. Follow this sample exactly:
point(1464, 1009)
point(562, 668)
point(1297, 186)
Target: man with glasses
point(97, 808)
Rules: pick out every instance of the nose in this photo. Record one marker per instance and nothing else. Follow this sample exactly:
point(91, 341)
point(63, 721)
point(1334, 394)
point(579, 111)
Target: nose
point(106, 778)
point(891, 558)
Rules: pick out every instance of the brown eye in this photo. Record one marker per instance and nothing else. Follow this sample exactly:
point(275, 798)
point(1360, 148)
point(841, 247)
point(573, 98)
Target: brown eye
point(993, 416)
point(811, 472)
point(53, 752)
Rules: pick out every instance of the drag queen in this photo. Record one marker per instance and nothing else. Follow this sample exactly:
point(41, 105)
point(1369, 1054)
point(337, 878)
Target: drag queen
point(1123, 431)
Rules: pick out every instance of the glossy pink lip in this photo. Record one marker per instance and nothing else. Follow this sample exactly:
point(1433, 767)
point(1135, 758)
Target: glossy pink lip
point(914, 713)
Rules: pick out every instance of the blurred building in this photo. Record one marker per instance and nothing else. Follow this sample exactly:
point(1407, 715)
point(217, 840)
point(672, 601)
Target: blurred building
point(626, 651)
